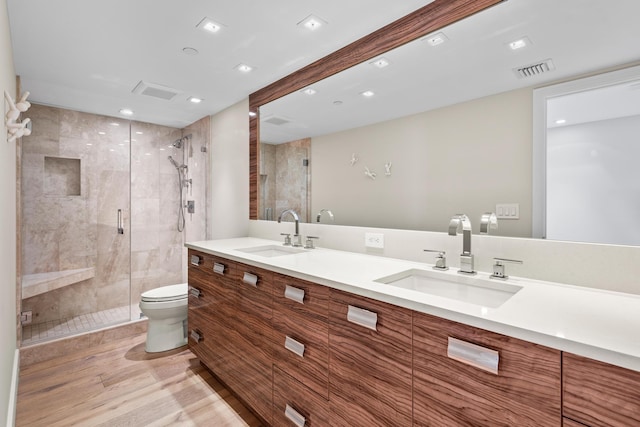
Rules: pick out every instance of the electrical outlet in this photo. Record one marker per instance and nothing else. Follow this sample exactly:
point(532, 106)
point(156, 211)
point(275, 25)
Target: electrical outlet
point(374, 240)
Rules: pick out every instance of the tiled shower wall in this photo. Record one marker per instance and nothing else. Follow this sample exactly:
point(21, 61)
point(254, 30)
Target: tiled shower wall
point(76, 174)
point(285, 178)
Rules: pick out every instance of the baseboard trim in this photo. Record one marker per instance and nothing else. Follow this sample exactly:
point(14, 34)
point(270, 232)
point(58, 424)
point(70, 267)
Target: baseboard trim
point(13, 391)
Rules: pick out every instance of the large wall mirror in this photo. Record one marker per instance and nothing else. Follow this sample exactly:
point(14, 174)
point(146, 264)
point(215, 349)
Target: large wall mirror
point(449, 126)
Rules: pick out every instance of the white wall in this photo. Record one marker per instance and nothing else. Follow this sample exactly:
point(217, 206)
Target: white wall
point(230, 172)
point(464, 158)
point(593, 182)
point(8, 228)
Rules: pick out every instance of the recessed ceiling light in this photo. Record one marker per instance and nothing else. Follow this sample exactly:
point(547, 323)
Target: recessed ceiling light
point(243, 68)
point(190, 51)
point(380, 62)
point(561, 121)
point(368, 93)
point(126, 112)
point(436, 39)
point(209, 25)
point(194, 99)
point(308, 91)
point(521, 43)
point(312, 22)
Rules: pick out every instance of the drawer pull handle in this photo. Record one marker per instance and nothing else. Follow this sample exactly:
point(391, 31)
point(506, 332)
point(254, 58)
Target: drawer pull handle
point(473, 355)
point(362, 317)
point(294, 294)
point(250, 279)
point(218, 268)
point(195, 336)
point(294, 346)
point(294, 416)
point(195, 260)
point(194, 292)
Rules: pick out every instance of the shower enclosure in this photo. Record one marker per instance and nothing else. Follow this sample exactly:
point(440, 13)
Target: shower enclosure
point(99, 217)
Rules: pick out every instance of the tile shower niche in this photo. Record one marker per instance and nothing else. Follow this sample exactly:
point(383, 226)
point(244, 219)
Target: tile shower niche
point(61, 176)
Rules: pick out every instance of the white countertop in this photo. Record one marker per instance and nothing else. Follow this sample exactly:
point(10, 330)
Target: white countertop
point(601, 325)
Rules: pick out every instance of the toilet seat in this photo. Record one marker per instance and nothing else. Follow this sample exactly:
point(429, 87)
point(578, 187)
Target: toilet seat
point(166, 293)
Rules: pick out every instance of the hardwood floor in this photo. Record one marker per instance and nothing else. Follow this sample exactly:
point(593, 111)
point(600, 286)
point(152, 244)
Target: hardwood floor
point(118, 384)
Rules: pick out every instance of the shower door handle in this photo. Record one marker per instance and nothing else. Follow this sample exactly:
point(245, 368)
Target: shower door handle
point(120, 227)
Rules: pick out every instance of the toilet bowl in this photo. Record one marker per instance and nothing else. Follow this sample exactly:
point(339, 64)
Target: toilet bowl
point(166, 309)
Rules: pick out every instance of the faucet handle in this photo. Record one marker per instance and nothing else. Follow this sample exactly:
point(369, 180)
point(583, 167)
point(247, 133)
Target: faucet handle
point(287, 239)
point(441, 260)
point(498, 267)
point(309, 243)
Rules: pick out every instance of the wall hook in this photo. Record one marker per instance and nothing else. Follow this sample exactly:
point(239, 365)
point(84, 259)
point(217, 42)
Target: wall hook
point(15, 129)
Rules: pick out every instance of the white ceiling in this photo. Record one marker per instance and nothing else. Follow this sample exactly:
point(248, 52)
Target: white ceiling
point(89, 55)
point(580, 36)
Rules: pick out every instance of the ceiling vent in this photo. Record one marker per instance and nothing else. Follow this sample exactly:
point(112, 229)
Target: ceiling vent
point(275, 120)
point(156, 91)
point(534, 69)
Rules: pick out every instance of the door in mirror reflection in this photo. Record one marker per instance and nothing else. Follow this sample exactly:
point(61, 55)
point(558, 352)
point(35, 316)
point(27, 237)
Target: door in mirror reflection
point(592, 149)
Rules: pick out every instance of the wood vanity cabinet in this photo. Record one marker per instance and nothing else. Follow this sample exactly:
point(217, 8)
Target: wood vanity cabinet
point(369, 361)
point(252, 339)
point(599, 394)
point(230, 314)
point(211, 300)
point(301, 352)
point(301, 332)
point(525, 391)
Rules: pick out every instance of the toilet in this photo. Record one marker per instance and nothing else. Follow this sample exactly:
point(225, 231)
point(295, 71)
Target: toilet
point(166, 309)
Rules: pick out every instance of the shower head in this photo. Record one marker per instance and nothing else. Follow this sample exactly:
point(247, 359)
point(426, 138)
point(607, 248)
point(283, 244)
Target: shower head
point(177, 143)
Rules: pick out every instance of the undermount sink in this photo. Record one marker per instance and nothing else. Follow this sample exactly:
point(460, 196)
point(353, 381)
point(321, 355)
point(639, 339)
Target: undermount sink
point(271, 250)
point(470, 289)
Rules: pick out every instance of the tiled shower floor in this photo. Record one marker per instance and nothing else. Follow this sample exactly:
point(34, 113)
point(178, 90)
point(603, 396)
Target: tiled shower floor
point(47, 331)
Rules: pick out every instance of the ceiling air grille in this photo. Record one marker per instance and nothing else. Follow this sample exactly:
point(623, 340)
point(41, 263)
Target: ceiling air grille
point(275, 120)
point(535, 69)
point(155, 90)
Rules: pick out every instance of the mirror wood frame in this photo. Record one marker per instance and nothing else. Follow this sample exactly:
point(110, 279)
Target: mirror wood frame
point(424, 21)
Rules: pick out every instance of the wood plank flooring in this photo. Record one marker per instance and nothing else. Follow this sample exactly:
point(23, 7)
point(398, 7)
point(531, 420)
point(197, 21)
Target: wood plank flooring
point(118, 384)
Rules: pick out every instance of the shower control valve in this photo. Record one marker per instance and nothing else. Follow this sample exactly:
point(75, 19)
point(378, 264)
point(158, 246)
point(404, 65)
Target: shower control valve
point(287, 239)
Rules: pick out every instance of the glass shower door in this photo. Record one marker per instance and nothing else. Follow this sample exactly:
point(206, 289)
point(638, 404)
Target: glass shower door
point(75, 192)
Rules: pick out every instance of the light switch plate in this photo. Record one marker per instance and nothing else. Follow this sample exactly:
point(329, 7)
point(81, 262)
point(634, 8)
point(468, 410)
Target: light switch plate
point(374, 240)
point(508, 210)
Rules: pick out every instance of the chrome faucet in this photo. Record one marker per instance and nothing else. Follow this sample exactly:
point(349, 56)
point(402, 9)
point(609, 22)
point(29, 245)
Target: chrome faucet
point(296, 237)
point(323, 211)
point(460, 222)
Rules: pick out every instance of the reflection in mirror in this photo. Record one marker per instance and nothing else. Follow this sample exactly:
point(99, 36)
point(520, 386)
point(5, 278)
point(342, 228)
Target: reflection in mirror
point(454, 120)
point(588, 149)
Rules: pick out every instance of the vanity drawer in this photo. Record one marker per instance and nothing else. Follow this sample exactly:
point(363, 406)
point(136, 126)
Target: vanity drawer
point(301, 297)
point(294, 405)
point(206, 263)
point(370, 362)
point(253, 312)
point(520, 384)
point(301, 348)
point(599, 394)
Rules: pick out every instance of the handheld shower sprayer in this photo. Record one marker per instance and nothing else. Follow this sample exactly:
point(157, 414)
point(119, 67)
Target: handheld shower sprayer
point(173, 162)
